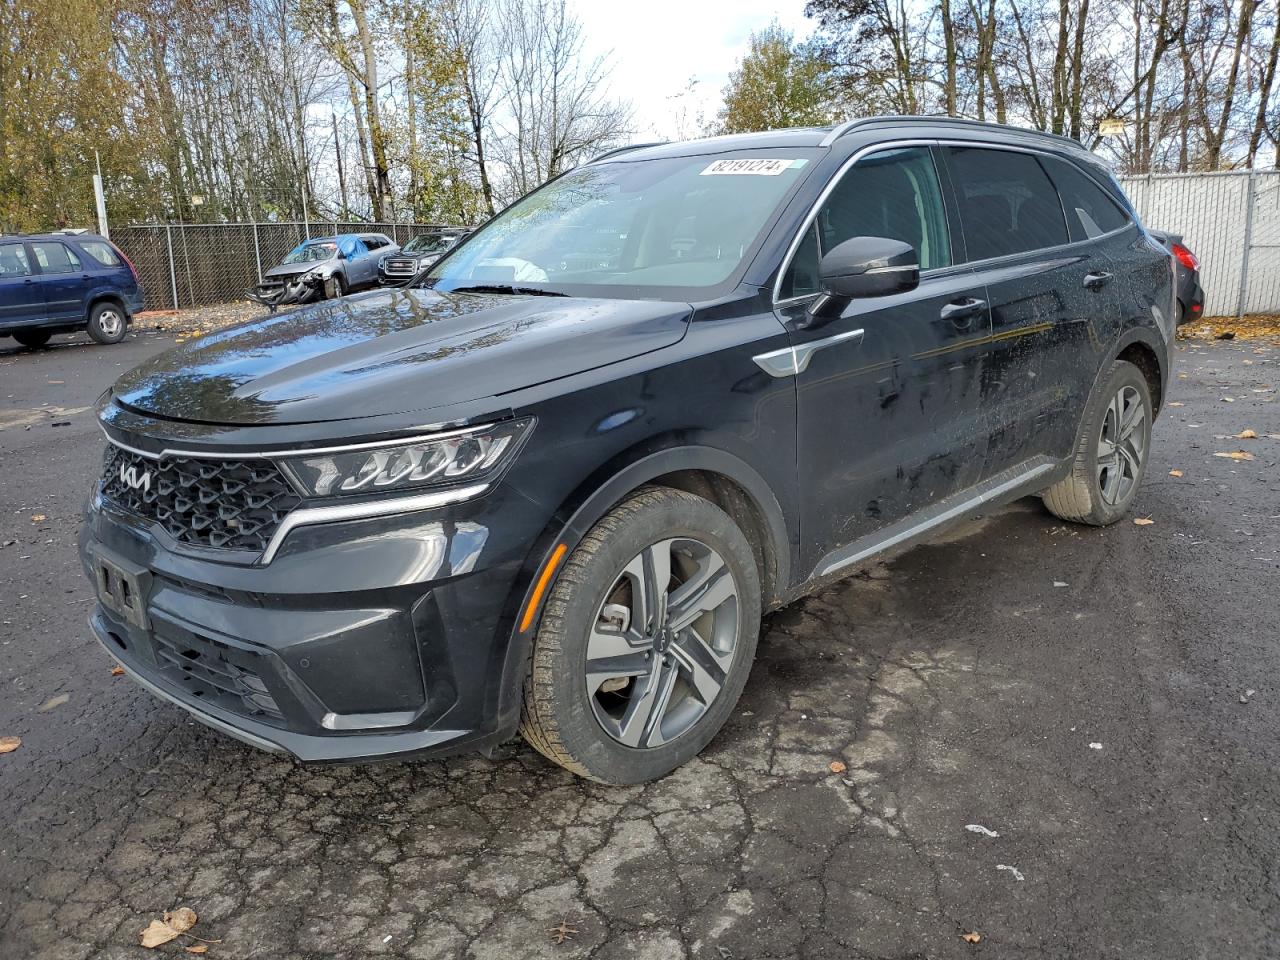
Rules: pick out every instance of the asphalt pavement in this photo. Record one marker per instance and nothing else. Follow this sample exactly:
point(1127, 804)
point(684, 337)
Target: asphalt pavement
point(1060, 742)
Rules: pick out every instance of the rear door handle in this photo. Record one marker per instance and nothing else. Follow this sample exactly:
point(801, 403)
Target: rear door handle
point(965, 309)
point(1096, 281)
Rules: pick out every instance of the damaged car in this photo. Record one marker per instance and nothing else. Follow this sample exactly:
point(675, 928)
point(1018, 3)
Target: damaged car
point(324, 268)
point(553, 488)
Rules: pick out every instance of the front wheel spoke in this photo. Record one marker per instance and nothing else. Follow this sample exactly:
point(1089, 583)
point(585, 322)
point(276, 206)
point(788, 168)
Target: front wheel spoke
point(650, 575)
point(646, 708)
point(1130, 457)
point(700, 596)
point(600, 669)
point(705, 667)
point(1132, 421)
point(1106, 448)
point(603, 644)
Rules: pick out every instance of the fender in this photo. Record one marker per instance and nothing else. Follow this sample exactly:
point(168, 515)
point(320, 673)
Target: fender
point(1148, 336)
point(558, 544)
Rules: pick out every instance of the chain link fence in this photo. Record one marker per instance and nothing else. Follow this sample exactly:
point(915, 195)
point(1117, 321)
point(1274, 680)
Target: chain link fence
point(1231, 221)
point(200, 264)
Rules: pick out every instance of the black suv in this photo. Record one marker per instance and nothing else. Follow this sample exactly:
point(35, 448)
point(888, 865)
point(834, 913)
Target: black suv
point(676, 387)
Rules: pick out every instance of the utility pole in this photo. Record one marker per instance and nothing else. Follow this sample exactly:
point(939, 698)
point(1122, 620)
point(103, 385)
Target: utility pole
point(99, 199)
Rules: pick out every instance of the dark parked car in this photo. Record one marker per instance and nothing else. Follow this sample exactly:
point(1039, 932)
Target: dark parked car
point(556, 495)
point(1187, 265)
point(417, 254)
point(324, 268)
point(56, 282)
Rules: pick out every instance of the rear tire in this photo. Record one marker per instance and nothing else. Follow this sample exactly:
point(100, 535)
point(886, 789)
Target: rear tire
point(32, 339)
point(108, 323)
point(1111, 452)
point(335, 287)
point(646, 640)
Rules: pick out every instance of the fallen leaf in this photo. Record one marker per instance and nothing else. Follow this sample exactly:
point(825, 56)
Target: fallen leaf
point(1236, 455)
point(563, 932)
point(979, 828)
point(117, 671)
point(1228, 399)
point(10, 744)
point(1246, 435)
point(52, 702)
point(197, 948)
point(182, 919)
point(37, 517)
point(1176, 403)
point(1143, 521)
point(972, 936)
point(175, 924)
point(158, 932)
point(837, 767)
point(1175, 473)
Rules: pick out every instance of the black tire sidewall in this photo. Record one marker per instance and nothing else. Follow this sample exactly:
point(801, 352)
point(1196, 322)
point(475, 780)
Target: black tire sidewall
point(1122, 374)
point(32, 339)
point(583, 737)
point(95, 328)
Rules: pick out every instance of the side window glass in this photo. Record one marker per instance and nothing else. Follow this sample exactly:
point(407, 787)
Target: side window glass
point(801, 278)
point(1090, 212)
point(55, 258)
point(892, 194)
point(101, 252)
point(1007, 202)
point(13, 261)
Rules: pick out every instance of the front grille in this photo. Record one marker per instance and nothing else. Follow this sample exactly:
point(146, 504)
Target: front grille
point(203, 669)
point(401, 266)
point(229, 504)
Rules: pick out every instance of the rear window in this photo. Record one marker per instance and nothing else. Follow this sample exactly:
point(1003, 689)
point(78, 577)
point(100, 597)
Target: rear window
point(13, 261)
point(1007, 202)
point(1090, 212)
point(101, 251)
point(55, 257)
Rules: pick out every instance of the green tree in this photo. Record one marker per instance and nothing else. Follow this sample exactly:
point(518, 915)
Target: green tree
point(779, 83)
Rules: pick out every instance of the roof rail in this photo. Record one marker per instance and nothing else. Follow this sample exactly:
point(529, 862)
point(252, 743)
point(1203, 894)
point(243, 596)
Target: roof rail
point(839, 131)
point(627, 149)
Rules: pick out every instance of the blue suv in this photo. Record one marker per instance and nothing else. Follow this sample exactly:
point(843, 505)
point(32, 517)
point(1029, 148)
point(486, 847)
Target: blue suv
point(52, 283)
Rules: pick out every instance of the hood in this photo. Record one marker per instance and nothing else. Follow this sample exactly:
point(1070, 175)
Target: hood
point(392, 351)
point(295, 269)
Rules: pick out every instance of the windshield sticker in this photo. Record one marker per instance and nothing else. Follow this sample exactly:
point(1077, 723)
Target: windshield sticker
point(758, 168)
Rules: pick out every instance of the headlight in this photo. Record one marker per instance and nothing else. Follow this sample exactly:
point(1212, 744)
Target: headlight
point(467, 455)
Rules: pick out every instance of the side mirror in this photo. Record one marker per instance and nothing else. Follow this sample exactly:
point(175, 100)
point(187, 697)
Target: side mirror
point(864, 267)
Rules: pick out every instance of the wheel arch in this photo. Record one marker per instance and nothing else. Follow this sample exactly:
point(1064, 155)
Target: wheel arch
point(106, 296)
point(1144, 350)
point(719, 476)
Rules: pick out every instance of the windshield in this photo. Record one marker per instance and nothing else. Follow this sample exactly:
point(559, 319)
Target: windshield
point(309, 252)
point(429, 244)
point(675, 227)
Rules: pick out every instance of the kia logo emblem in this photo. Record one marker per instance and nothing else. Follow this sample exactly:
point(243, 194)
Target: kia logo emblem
point(134, 478)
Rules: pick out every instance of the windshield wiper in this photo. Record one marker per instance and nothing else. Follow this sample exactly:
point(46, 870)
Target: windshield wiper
point(507, 288)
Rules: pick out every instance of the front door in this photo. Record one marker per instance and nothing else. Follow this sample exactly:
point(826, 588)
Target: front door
point(888, 393)
point(20, 298)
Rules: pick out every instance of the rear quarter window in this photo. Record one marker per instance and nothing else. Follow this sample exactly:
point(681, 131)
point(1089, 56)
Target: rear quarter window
point(1090, 212)
point(100, 251)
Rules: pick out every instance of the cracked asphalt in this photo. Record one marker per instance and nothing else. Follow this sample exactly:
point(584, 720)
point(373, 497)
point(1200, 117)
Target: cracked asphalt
point(1076, 691)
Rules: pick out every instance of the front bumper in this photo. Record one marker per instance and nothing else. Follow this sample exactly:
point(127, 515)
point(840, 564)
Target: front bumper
point(377, 638)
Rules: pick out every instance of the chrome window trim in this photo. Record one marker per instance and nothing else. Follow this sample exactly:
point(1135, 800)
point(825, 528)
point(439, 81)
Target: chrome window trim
point(292, 451)
point(932, 142)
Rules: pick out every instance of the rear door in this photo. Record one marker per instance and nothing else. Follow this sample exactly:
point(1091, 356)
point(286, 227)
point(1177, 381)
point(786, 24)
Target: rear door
point(62, 280)
point(1051, 301)
point(20, 298)
point(889, 415)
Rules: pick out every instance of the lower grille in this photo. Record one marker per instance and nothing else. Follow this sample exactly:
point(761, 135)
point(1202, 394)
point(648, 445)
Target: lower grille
point(229, 504)
point(202, 668)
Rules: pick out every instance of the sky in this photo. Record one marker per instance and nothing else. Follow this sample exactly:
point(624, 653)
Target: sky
point(656, 47)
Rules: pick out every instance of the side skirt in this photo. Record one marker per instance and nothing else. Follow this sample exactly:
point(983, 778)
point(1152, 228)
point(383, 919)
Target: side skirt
point(1004, 487)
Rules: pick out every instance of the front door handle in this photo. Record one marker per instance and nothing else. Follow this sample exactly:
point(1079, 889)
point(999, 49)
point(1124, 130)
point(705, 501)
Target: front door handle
point(958, 310)
point(1096, 280)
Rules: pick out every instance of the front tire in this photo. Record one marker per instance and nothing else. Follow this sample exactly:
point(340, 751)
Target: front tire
point(107, 323)
point(1112, 448)
point(32, 339)
point(646, 640)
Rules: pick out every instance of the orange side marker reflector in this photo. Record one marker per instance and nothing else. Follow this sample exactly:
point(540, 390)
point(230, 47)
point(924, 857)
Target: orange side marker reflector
point(547, 572)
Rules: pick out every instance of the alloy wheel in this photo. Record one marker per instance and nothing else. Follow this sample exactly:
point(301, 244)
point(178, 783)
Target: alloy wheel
point(662, 642)
point(1122, 445)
